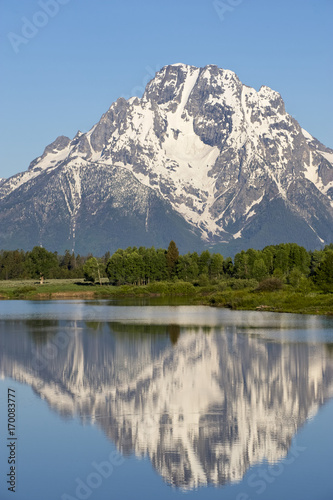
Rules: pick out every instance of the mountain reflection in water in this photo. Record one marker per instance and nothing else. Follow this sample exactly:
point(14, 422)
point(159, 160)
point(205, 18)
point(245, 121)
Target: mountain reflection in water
point(203, 403)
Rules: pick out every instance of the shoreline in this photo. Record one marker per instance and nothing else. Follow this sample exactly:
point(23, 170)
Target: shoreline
point(286, 300)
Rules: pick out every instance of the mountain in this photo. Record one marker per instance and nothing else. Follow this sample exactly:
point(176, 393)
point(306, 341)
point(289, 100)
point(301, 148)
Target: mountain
point(200, 158)
point(204, 410)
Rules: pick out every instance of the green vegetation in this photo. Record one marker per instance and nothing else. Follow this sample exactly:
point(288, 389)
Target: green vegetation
point(94, 270)
point(283, 277)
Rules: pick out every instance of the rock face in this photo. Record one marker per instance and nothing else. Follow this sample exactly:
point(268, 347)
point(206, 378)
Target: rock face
point(200, 158)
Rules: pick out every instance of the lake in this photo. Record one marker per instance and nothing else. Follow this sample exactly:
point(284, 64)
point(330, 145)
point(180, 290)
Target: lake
point(142, 400)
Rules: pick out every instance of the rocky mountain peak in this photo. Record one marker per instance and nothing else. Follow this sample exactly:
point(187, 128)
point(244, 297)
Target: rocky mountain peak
point(224, 157)
point(59, 144)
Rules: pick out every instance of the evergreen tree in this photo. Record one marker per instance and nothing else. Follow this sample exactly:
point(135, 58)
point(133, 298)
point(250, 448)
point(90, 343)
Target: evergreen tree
point(324, 273)
point(12, 264)
point(172, 257)
point(228, 267)
point(316, 257)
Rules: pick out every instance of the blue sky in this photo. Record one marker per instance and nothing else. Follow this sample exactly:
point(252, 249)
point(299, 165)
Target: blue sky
point(63, 62)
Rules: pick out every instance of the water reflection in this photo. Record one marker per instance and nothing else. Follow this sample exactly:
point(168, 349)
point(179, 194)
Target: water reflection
point(204, 403)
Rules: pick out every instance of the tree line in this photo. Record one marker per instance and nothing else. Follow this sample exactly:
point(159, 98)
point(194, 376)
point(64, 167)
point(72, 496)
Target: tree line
point(17, 264)
point(287, 263)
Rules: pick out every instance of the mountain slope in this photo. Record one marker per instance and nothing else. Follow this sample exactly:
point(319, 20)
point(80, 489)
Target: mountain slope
point(106, 206)
point(200, 158)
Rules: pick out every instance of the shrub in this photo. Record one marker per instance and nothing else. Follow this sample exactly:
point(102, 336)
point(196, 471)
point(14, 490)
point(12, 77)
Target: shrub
point(222, 286)
point(23, 290)
point(181, 287)
point(269, 285)
point(305, 285)
point(240, 284)
point(295, 277)
point(171, 288)
point(157, 287)
point(203, 280)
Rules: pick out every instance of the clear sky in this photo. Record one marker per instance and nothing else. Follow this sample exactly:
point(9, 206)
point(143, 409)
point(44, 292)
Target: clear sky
point(63, 62)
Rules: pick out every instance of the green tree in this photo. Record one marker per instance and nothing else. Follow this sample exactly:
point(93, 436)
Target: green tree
point(160, 266)
point(299, 257)
point(228, 267)
point(241, 263)
point(134, 268)
point(204, 262)
point(281, 258)
point(41, 262)
point(278, 274)
point(216, 266)
point(154, 264)
point(115, 269)
point(12, 264)
point(93, 270)
point(268, 256)
point(172, 257)
point(324, 273)
point(187, 268)
point(295, 277)
point(252, 255)
point(259, 271)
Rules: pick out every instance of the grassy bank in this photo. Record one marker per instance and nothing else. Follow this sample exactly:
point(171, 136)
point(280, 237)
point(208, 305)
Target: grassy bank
point(278, 301)
point(59, 289)
point(220, 295)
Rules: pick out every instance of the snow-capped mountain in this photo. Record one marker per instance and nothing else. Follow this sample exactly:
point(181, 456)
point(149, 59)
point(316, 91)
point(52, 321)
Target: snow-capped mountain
point(200, 158)
point(204, 410)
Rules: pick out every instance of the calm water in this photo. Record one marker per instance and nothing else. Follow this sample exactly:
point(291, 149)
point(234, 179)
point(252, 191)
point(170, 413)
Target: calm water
point(123, 401)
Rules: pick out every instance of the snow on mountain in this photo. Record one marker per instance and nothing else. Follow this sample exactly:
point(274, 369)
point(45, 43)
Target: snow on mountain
point(224, 157)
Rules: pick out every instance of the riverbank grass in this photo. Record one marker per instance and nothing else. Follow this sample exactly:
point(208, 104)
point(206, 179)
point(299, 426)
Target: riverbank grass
point(230, 294)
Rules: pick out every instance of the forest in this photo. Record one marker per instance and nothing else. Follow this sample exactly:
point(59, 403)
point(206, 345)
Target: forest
point(270, 268)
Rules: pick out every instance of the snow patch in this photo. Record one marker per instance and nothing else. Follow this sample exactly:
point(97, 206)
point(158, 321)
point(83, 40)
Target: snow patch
point(307, 135)
point(238, 234)
point(179, 64)
point(49, 163)
point(320, 239)
point(327, 156)
point(311, 171)
point(248, 211)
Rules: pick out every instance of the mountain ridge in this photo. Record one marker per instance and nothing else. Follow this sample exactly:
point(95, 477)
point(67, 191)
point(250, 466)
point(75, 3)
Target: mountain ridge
point(224, 160)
